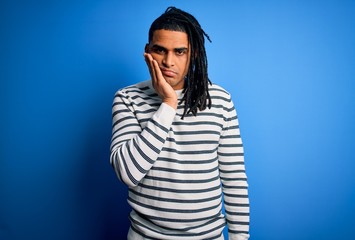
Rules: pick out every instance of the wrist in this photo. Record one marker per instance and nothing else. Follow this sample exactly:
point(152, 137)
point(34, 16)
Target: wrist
point(172, 103)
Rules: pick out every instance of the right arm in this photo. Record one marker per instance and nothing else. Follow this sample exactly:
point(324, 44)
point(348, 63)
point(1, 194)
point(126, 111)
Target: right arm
point(133, 150)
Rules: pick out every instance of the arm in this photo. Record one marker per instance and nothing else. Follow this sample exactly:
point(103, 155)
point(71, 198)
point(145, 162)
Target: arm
point(233, 177)
point(133, 150)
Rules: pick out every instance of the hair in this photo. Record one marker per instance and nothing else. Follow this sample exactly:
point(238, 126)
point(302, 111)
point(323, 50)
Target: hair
point(196, 95)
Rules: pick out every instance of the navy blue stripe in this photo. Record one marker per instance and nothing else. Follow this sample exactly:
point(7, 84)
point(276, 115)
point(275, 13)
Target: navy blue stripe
point(143, 155)
point(184, 171)
point(189, 152)
point(230, 136)
point(230, 154)
point(150, 145)
point(174, 190)
point(237, 213)
point(197, 123)
point(237, 232)
point(235, 187)
point(231, 163)
point(237, 222)
point(236, 195)
point(126, 126)
point(233, 179)
point(236, 204)
point(195, 161)
point(160, 126)
point(172, 210)
point(197, 132)
point(184, 230)
point(130, 176)
point(123, 119)
point(231, 145)
point(182, 180)
point(232, 171)
point(153, 197)
point(189, 220)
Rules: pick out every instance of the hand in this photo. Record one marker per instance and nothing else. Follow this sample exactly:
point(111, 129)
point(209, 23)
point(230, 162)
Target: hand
point(161, 86)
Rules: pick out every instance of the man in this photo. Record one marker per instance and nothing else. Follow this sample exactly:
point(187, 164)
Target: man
point(176, 142)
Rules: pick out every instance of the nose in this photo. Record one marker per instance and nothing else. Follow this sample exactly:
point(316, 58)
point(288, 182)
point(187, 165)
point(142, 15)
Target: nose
point(168, 60)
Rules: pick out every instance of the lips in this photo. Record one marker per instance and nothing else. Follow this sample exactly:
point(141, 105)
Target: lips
point(168, 73)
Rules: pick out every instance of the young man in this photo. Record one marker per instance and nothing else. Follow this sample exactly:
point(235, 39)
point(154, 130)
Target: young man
point(176, 142)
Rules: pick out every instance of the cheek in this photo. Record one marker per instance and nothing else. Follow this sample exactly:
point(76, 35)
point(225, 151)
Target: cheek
point(156, 57)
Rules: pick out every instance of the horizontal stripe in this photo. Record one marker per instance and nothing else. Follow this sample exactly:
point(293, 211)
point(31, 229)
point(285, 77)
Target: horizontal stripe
point(161, 179)
point(231, 145)
point(120, 129)
point(236, 204)
point(233, 179)
point(237, 213)
point(184, 171)
point(230, 154)
point(172, 210)
point(237, 222)
point(189, 152)
point(174, 190)
point(196, 161)
point(237, 232)
point(201, 132)
point(232, 171)
point(180, 220)
point(161, 199)
point(205, 123)
point(236, 195)
point(230, 136)
point(204, 142)
point(231, 163)
point(234, 187)
point(123, 119)
point(183, 234)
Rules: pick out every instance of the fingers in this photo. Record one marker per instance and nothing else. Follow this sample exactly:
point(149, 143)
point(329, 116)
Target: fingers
point(157, 71)
point(154, 70)
point(148, 59)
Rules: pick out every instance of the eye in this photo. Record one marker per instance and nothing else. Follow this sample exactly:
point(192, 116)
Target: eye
point(158, 50)
point(180, 52)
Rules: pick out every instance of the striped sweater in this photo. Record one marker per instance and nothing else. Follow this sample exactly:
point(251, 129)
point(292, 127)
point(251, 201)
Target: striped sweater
point(180, 171)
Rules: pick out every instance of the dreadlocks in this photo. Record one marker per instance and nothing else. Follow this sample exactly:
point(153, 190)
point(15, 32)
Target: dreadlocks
point(196, 93)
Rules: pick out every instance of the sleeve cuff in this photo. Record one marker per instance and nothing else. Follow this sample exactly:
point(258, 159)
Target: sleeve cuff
point(165, 114)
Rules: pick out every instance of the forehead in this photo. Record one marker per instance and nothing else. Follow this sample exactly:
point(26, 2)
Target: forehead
point(170, 39)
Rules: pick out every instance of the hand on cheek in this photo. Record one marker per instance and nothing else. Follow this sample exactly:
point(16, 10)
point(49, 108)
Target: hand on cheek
point(161, 86)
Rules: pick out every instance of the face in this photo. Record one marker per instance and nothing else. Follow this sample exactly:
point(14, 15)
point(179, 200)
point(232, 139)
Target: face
point(171, 50)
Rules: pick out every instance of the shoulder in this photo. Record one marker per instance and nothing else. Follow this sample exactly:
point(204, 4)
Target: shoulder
point(218, 92)
point(137, 89)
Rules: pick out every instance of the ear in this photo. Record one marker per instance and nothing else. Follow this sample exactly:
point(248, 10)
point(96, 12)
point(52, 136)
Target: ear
point(146, 48)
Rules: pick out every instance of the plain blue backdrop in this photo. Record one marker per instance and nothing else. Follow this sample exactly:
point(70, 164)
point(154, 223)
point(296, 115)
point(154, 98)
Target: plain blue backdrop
point(289, 65)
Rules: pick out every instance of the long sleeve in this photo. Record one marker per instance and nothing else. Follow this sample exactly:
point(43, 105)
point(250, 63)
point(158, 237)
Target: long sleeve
point(233, 177)
point(133, 149)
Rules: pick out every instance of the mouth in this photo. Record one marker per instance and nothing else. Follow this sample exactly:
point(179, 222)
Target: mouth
point(168, 72)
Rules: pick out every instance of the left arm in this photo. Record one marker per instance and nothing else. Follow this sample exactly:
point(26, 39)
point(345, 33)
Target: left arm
point(233, 177)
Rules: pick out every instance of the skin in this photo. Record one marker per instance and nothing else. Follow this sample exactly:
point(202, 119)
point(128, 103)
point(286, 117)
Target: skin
point(168, 59)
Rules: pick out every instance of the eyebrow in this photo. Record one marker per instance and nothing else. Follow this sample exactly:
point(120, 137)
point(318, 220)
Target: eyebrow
point(175, 49)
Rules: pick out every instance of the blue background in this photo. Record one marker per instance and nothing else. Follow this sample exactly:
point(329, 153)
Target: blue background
point(289, 65)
